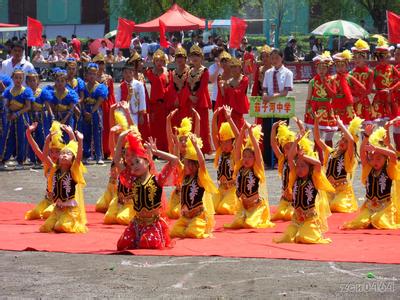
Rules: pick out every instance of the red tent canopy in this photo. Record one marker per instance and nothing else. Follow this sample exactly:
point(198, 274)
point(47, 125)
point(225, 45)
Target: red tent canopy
point(175, 19)
point(8, 25)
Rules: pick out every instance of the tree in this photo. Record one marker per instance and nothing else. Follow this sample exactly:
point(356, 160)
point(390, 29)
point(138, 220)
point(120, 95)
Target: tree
point(377, 10)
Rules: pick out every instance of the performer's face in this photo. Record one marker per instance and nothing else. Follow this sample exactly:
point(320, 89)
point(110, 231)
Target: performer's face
point(227, 146)
point(276, 60)
point(71, 71)
point(248, 158)
point(322, 69)
point(91, 76)
point(18, 78)
point(17, 53)
point(128, 74)
point(182, 144)
point(191, 167)
point(66, 158)
point(60, 82)
point(159, 63)
point(196, 60)
point(383, 57)
point(54, 154)
point(341, 67)
point(302, 168)
point(225, 65)
point(286, 148)
point(180, 60)
point(236, 71)
point(265, 58)
point(342, 144)
point(138, 165)
point(378, 161)
point(32, 82)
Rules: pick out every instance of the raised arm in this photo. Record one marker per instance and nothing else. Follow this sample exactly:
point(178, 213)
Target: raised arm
point(300, 125)
point(347, 135)
point(228, 116)
point(125, 107)
point(151, 145)
point(239, 143)
point(69, 131)
point(257, 152)
point(200, 156)
point(312, 161)
point(196, 122)
point(214, 128)
point(46, 159)
point(171, 144)
point(363, 149)
point(274, 143)
point(79, 139)
point(32, 142)
point(118, 150)
point(317, 138)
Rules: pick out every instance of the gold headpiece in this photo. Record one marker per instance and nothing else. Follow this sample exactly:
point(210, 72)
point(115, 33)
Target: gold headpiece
point(159, 54)
point(226, 132)
point(180, 51)
point(196, 50)
point(191, 151)
point(265, 49)
point(234, 62)
point(99, 58)
point(225, 55)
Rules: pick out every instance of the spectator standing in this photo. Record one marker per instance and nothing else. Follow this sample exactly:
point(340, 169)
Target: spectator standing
point(46, 47)
point(120, 57)
point(76, 44)
point(145, 47)
point(17, 59)
point(290, 51)
point(103, 48)
point(59, 45)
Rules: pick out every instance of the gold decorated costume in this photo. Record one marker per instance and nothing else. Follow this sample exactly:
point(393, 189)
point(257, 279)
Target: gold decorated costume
point(311, 207)
point(45, 207)
point(253, 210)
point(197, 210)
point(69, 213)
point(225, 201)
point(104, 201)
point(381, 208)
point(284, 210)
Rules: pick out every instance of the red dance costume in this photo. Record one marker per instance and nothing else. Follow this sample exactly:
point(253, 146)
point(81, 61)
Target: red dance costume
point(362, 105)
point(236, 97)
point(149, 228)
point(396, 98)
point(321, 101)
point(342, 103)
point(197, 83)
point(178, 95)
point(385, 77)
point(109, 82)
point(158, 107)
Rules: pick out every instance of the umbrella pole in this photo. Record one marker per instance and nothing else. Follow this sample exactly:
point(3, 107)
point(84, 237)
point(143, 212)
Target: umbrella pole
point(339, 44)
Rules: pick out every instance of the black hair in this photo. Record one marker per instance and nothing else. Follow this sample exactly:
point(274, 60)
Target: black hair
point(277, 51)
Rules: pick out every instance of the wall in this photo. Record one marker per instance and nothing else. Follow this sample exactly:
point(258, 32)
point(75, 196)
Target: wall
point(64, 12)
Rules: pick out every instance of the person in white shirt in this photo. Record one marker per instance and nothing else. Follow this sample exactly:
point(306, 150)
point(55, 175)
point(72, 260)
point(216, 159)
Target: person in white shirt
point(17, 59)
point(214, 70)
point(132, 91)
point(103, 48)
point(46, 47)
point(278, 82)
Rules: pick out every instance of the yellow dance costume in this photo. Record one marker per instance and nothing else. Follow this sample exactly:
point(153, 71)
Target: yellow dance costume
point(104, 201)
point(381, 208)
point(197, 209)
point(311, 208)
point(45, 207)
point(225, 201)
point(120, 210)
point(253, 210)
point(284, 210)
point(69, 213)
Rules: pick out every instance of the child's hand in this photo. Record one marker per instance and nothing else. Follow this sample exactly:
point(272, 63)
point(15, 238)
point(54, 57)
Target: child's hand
point(151, 145)
point(115, 106)
point(115, 128)
point(193, 139)
point(339, 121)
point(227, 111)
point(370, 148)
point(369, 128)
point(124, 105)
point(79, 135)
point(33, 127)
point(172, 113)
point(66, 128)
point(196, 114)
point(318, 115)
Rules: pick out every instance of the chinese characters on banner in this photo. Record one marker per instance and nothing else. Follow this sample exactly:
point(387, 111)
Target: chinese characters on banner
point(282, 107)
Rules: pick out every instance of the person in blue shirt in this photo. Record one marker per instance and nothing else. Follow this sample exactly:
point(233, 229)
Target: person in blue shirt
point(78, 85)
point(5, 82)
point(39, 108)
point(94, 95)
point(18, 103)
point(63, 101)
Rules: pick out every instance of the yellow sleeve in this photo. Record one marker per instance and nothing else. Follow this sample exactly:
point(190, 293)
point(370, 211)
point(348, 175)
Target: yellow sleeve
point(350, 162)
point(365, 172)
point(281, 160)
point(393, 170)
point(327, 151)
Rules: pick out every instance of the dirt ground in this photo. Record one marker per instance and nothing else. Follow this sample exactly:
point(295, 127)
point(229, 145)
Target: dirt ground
point(56, 275)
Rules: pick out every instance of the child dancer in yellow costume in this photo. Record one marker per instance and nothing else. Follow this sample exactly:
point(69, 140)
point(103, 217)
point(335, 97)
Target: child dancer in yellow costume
point(308, 185)
point(52, 147)
point(118, 123)
point(253, 209)
point(282, 139)
point(225, 201)
point(381, 177)
point(197, 220)
point(177, 147)
point(66, 184)
point(340, 164)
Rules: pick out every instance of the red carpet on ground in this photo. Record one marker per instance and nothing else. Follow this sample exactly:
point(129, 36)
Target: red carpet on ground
point(374, 246)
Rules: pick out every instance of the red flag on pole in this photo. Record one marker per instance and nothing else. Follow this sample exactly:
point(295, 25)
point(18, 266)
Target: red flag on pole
point(238, 30)
point(393, 23)
point(124, 33)
point(163, 39)
point(35, 31)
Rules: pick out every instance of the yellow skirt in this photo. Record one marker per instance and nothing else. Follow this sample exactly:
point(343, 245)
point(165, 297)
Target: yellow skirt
point(383, 219)
point(284, 211)
point(64, 220)
point(199, 227)
point(118, 213)
point(42, 210)
point(225, 201)
point(307, 232)
point(344, 200)
point(104, 201)
point(174, 206)
point(255, 217)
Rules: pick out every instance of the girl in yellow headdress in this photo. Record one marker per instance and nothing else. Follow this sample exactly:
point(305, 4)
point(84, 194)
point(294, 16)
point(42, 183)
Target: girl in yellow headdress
point(197, 210)
point(253, 210)
point(281, 142)
point(340, 163)
point(120, 120)
point(381, 177)
point(177, 146)
point(225, 201)
point(65, 183)
point(52, 147)
point(308, 186)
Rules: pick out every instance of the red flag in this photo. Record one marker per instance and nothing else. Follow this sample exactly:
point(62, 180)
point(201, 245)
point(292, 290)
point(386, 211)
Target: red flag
point(124, 33)
point(393, 22)
point(163, 39)
point(238, 30)
point(35, 31)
